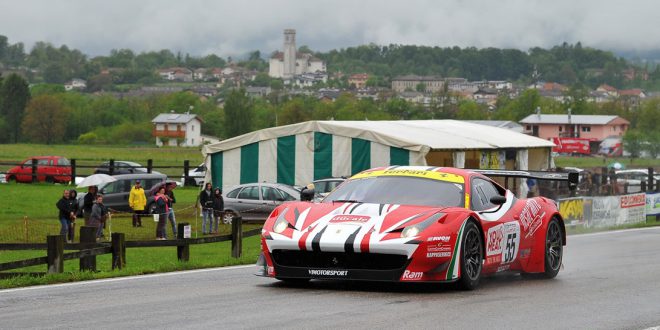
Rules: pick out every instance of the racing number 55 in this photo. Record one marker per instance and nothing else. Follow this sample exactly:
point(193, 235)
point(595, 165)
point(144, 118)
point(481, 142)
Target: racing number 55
point(510, 252)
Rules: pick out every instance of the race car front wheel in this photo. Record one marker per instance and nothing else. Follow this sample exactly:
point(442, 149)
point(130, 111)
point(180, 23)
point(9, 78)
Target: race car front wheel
point(471, 257)
point(553, 249)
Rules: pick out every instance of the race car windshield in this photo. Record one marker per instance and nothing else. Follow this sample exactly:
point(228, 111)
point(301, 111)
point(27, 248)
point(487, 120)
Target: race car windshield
point(399, 190)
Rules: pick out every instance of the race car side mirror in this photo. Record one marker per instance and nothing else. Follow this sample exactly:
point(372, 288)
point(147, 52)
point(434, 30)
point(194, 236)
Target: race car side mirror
point(498, 200)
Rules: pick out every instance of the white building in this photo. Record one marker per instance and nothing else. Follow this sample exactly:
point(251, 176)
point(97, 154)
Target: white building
point(289, 63)
point(175, 129)
point(75, 84)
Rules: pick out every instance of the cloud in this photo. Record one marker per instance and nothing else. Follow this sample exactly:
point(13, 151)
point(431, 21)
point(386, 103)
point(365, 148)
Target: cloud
point(202, 27)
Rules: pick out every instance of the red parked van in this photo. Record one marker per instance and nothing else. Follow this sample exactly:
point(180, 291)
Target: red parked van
point(49, 169)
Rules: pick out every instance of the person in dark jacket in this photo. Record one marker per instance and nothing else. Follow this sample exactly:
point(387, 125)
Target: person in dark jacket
point(77, 210)
point(206, 201)
point(88, 203)
point(67, 213)
point(218, 208)
point(161, 210)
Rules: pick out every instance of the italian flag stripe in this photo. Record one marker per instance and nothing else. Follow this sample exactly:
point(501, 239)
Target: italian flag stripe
point(457, 250)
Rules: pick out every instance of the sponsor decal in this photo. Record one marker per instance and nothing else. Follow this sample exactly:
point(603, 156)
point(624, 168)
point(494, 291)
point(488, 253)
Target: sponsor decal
point(494, 259)
point(270, 270)
point(503, 242)
point(633, 200)
point(524, 253)
point(342, 218)
point(438, 248)
point(327, 272)
point(414, 173)
point(411, 276)
point(439, 238)
point(438, 254)
point(531, 216)
point(503, 268)
point(494, 245)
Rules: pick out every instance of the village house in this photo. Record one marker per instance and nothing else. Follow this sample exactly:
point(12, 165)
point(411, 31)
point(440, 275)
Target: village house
point(176, 74)
point(358, 80)
point(175, 129)
point(591, 127)
point(431, 84)
point(76, 83)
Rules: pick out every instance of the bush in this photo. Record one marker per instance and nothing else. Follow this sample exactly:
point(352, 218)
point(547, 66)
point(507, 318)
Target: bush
point(88, 138)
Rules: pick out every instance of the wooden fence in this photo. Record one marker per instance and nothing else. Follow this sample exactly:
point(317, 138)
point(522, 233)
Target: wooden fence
point(89, 249)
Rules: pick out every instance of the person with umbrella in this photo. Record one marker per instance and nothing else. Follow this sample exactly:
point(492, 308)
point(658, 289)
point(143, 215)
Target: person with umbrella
point(92, 182)
point(137, 201)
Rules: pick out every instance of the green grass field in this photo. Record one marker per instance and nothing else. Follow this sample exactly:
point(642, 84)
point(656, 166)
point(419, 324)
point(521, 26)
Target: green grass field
point(587, 162)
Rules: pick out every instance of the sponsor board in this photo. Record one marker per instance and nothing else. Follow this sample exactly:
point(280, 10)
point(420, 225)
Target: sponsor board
point(572, 210)
point(492, 160)
point(503, 242)
point(411, 276)
point(342, 218)
point(653, 204)
point(327, 272)
point(633, 200)
point(608, 211)
point(438, 254)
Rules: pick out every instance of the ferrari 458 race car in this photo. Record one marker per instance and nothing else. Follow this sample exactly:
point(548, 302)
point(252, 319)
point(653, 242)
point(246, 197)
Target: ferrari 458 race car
point(418, 224)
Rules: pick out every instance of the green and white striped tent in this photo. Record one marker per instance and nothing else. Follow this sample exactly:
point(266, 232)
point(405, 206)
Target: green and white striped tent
point(300, 153)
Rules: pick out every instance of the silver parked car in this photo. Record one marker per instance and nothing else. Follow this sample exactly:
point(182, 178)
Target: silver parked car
point(255, 201)
point(324, 186)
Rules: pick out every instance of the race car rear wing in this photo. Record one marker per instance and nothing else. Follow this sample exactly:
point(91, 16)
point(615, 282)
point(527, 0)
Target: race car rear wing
point(571, 177)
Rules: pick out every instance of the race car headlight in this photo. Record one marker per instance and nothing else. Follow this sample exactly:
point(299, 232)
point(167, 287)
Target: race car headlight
point(280, 225)
point(410, 231)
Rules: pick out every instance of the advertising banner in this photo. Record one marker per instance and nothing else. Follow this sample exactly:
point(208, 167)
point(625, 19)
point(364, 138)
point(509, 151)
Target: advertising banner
point(564, 145)
point(493, 160)
point(653, 204)
point(572, 210)
point(617, 210)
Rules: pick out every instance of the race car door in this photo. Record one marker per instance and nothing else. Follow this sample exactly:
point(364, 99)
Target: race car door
point(502, 231)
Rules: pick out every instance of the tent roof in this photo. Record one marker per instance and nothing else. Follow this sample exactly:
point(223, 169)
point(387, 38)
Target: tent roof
point(414, 135)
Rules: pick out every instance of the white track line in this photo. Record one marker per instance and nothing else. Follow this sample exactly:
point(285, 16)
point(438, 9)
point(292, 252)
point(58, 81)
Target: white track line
point(126, 278)
point(602, 233)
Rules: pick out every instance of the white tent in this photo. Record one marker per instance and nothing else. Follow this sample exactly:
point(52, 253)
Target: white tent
point(300, 153)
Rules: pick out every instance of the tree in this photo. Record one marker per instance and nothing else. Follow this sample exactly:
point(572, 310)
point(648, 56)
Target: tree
point(45, 119)
point(238, 114)
point(632, 143)
point(14, 95)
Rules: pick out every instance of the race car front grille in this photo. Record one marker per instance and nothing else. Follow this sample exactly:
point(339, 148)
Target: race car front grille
point(339, 260)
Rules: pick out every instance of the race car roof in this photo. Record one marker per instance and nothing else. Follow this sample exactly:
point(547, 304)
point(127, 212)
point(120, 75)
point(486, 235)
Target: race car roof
point(415, 135)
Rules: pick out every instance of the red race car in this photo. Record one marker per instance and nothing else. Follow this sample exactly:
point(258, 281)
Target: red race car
point(418, 224)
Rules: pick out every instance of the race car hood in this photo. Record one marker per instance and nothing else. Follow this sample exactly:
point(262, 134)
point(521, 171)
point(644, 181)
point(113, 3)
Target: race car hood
point(350, 227)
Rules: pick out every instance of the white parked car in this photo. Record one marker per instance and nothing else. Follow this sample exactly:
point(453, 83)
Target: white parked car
point(195, 176)
point(634, 178)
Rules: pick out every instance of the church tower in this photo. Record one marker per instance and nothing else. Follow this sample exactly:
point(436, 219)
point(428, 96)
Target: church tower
point(289, 54)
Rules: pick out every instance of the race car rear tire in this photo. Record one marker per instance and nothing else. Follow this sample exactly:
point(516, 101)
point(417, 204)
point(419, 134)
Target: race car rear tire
point(471, 259)
point(554, 249)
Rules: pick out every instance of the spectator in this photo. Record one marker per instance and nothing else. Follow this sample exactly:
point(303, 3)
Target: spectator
point(161, 211)
point(73, 196)
point(206, 201)
point(98, 216)
point(169, 191)
point(218, 208)
point(88, 203)
point(67, 214)
point(137, 201)
point(533, 188)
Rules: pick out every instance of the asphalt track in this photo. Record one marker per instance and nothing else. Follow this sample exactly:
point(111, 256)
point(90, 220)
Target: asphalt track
point(609, 281)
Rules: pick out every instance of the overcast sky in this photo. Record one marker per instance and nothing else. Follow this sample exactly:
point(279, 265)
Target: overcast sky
point(201, 27)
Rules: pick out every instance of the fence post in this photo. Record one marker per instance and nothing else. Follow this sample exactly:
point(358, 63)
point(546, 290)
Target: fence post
point(34, 170)
point(236, 237)
point(183, 249)
point(150, 165)
point(651, 179)
point(73, 172)
point(625, 188)
point(55, 250)
point(118, 250)
point(642, 186)
point(88, 235)
point(111, 167)
point(186, 168)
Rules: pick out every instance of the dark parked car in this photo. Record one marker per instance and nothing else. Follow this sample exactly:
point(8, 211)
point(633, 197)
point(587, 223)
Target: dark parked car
point(50, 169)
point(121, 167)
point(255, 201)
point(115, 194)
